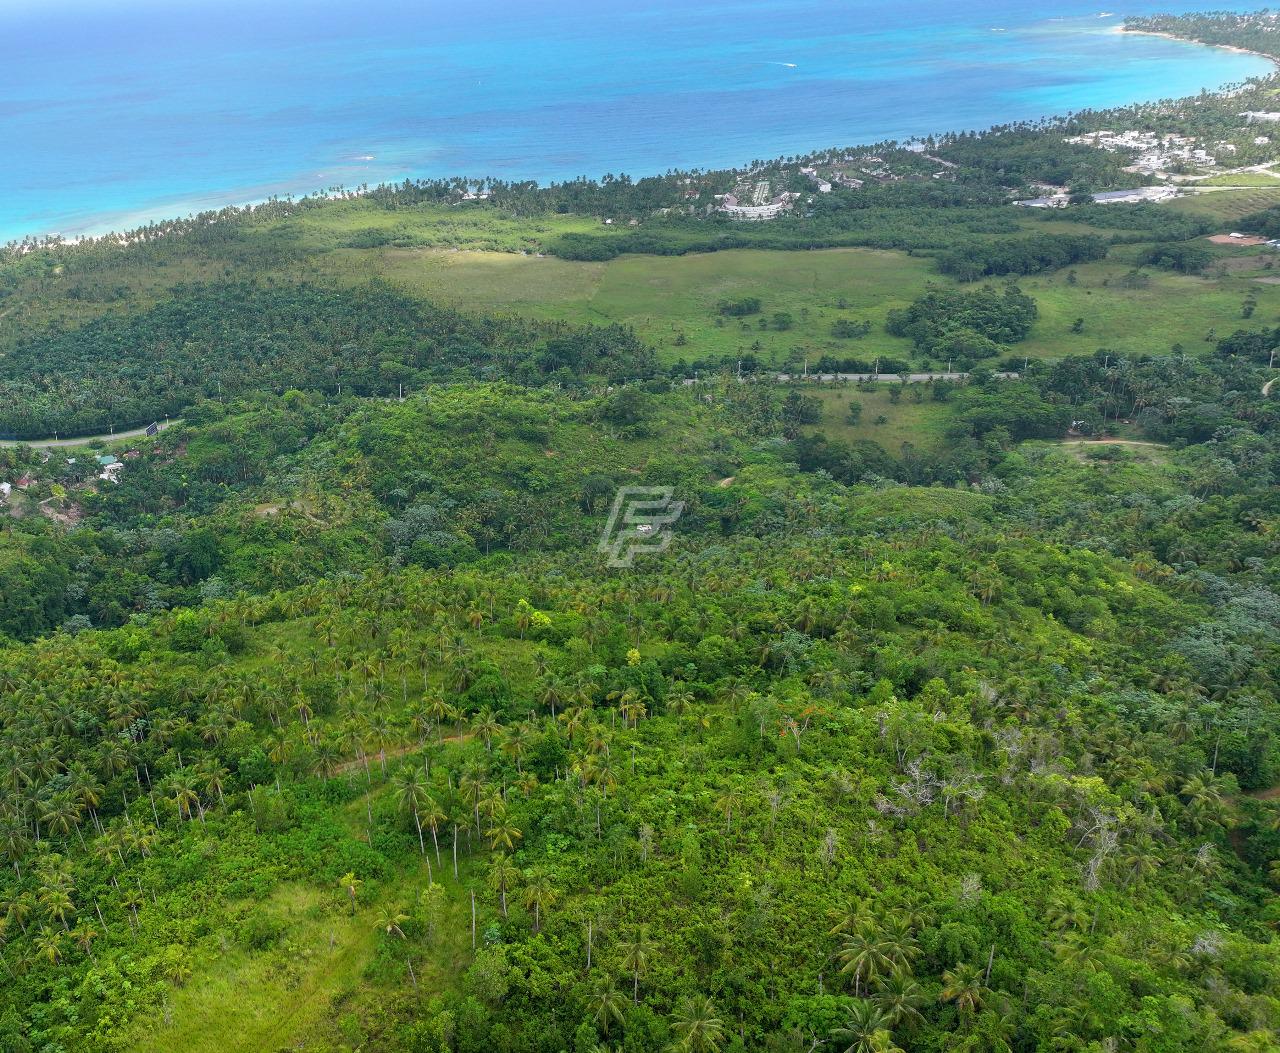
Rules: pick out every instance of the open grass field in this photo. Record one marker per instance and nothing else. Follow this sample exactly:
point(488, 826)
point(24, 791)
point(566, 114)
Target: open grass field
point(478, 260)
point(1228, 205)
point(889, 423)
point(1241, 179)
point(1171, 309)
point(664, 297)
point(465, 227)
point(292, 995)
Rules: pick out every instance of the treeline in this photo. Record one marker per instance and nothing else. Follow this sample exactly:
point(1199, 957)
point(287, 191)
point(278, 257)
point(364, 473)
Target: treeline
point(1022, 157)
point(220, 340)
point(1022, 255)
point(1253, 31)
point(967, 326)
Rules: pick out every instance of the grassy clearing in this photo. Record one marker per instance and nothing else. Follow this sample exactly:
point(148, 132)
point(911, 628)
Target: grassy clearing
point(1241, 179)
point(1112, 453)
point(663, 297)
point(1173, 308)
point(428, 225)
point(923, 423)
point(1228, 205)
point(243, 1001)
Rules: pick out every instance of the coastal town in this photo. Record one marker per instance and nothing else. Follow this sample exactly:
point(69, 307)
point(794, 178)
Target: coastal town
point(1165, 165)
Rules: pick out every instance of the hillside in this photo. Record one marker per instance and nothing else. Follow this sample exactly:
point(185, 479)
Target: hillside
point(521, 639)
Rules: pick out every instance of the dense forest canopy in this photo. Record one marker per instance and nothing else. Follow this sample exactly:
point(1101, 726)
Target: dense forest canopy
point(943, 716)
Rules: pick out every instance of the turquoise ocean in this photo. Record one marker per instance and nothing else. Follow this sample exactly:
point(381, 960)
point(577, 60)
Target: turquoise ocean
point(113, 112)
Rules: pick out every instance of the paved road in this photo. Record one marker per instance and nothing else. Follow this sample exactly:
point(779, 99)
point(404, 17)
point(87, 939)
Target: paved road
point(85, 440)
point(828, 378)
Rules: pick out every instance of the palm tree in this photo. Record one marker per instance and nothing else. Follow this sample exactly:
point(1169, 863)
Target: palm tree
point(635, 958)
point(502, 875)
point(1207, 802)
point(182, 786)
point(725, 805)
point(609, 1003)
point(486, 725)
point(516, 744)
point(539, 895)
point(411, 794)
point(440, 711)
point(865, 954)
point(865, 1030)
point(696, 1026)
point(430, 812)
point(963, 985)
point(390, 920)
point(1078, 954)
point(900, 998)
point(899, 943)
point(504, 835)
point(84, 934)
point(350, 884)
point(48, 945)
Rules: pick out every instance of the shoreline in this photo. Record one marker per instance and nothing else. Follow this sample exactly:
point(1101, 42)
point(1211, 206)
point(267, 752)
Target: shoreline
point(125, 236)
point(1275, 62)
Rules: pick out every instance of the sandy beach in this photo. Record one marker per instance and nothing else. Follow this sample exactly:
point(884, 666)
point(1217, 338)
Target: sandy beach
point(1201, 43)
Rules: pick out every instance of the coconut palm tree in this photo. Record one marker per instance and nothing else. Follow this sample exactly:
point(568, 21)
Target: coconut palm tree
point(900, 998)
point(515, 744)
point(390, 920)
point(83, 936)
point(865, 954)
point(609, 1004)
point(539, 896)
point(635, 958)
point(486, 725)
point(696, 1026)
point(963, 985)
point(865, 1030)
point(504, 835)
point(48, 945)
point(502, 876)
point(411, 792)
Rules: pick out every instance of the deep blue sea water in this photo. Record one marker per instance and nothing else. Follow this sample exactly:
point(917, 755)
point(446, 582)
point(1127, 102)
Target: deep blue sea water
point(114, 111)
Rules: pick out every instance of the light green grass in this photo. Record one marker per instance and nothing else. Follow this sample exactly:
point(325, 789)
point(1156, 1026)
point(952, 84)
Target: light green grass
point(665, 296)
point(1239, 179)
point(1227, 205)
point(1174, 308)
point(462, 226)
point(241, 1001)
point(923, 424)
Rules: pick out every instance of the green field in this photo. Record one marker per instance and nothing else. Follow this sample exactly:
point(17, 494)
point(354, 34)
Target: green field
point(1227, 205)
point(461, 227)
point(1241, 179)
point(664, 296)
point(478, 260)
point(923, 423)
